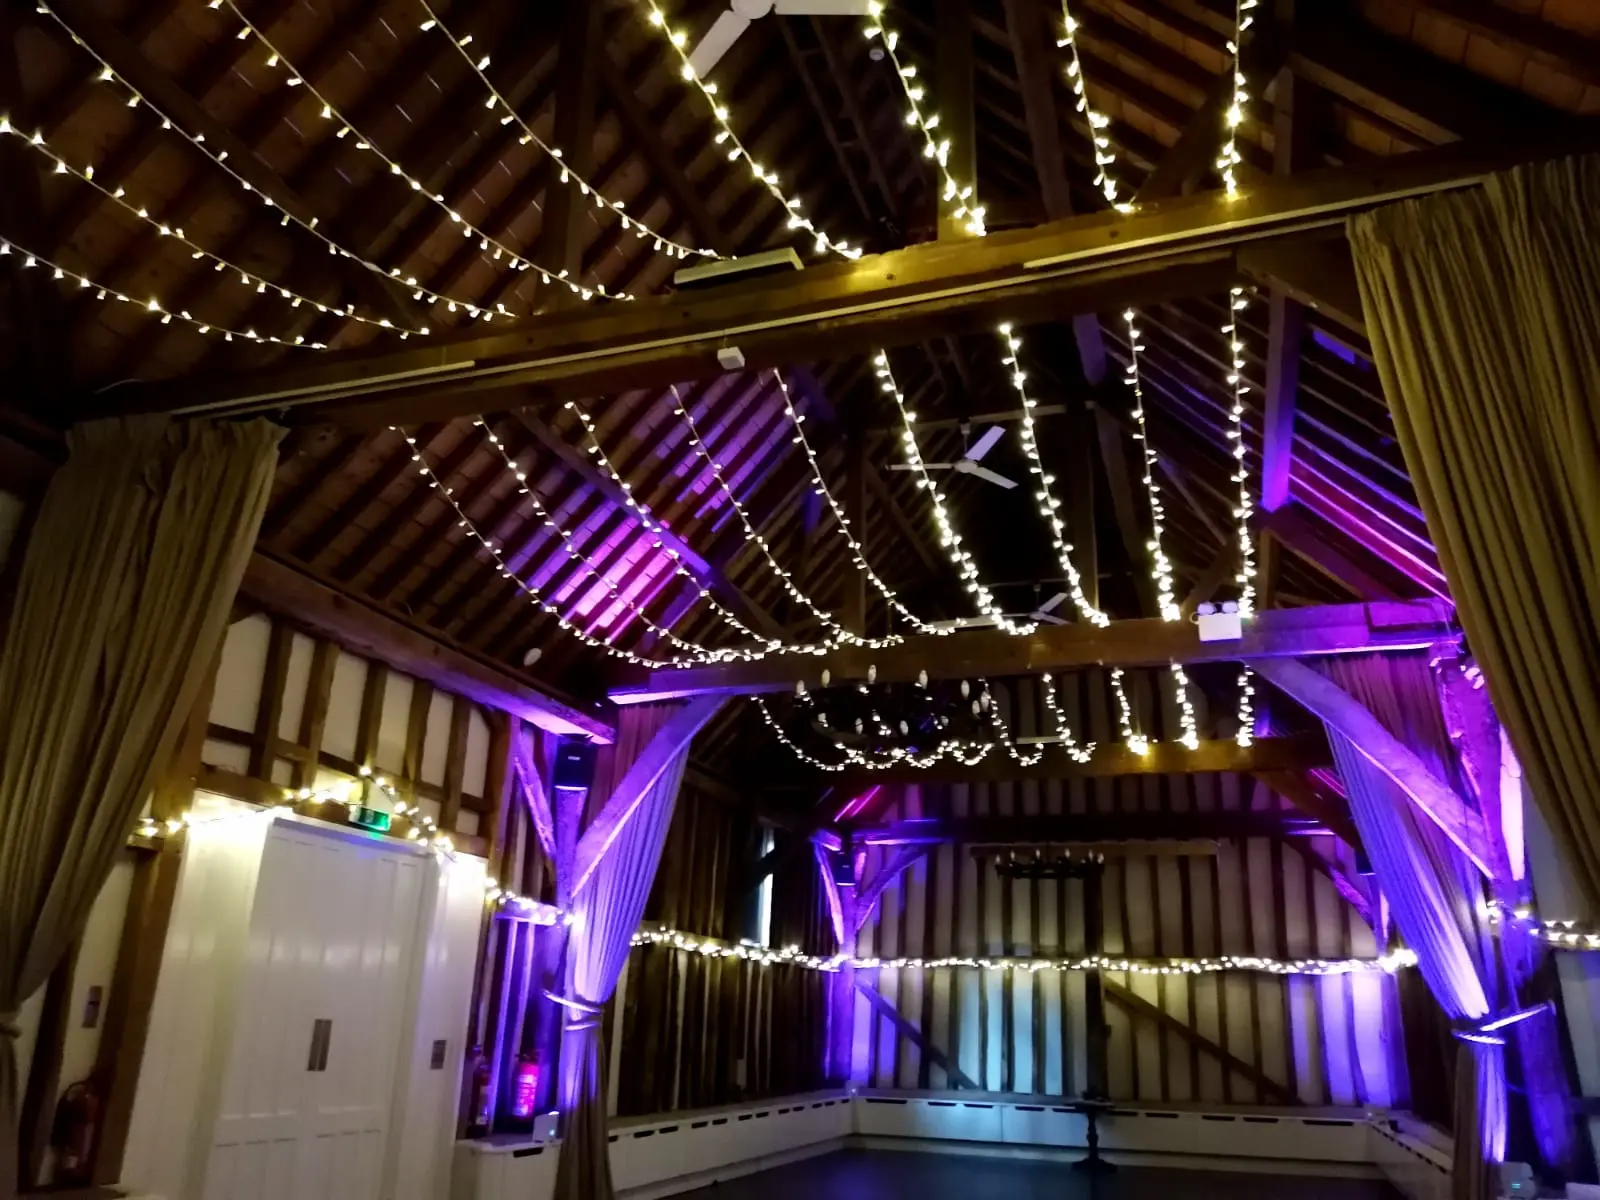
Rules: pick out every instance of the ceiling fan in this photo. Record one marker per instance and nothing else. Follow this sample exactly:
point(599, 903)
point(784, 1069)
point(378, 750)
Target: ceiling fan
point(967, 464)
point(727, 28)
point(1043, 613)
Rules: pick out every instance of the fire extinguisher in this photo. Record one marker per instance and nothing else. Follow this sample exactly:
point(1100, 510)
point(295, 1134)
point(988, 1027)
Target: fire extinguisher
point(481, 1091)
point(73, 1133)
point(525, 1088)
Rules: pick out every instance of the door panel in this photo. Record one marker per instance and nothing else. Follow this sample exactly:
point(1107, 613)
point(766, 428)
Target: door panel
point(307, 1095)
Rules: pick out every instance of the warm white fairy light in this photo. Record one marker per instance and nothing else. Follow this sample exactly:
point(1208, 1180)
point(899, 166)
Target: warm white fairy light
point(967, 753)
point(1104, 157)
point(27, 260)
point(479, 64)
point(1059, 725)
point(1160, 565)
point(1186, 720)
point(1049, 505)
point(490, 246)
point(1002, 731)
point(697, 652)
point(118, 195)
point(1135, 741)
point(708, 947)
point(220, 157)
point(1245, 735)
point(838, 635)
point(735, 149)
point(1234, 116)
point(1561, 933)
point(959, 558)
point(1246, 577)
point(420, 462)
point(956, 193)
point(857, 550)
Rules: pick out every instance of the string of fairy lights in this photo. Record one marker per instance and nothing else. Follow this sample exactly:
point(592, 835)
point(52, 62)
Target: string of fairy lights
point(1104, 157)
point(108, 75)
point(737, 151)
point(1060, 727)
point(699, 653)
point(838, 634)
point(1230, 159)
point(660, 936)
point(1049, 504)
point(489, 244)
point(820, 487)
point(569, 177)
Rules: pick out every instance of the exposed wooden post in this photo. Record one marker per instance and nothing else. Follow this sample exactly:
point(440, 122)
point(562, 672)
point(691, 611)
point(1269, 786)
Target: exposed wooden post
point(1080, 497)
point(561, 231)
point(953, 1073)
point(1097, 1083)
point(956, 97)
point(1348, 716)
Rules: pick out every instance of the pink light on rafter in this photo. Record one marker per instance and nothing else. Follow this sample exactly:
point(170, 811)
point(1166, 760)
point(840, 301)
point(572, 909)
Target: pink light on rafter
point(856, 805)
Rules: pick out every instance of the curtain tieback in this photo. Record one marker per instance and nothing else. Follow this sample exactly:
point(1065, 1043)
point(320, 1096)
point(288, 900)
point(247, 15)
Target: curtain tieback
point(11, 1026)
point(1485, 1031)
point(581, 1014)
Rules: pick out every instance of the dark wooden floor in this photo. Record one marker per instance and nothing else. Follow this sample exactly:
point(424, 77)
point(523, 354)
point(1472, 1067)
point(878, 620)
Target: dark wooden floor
point(878, 1175)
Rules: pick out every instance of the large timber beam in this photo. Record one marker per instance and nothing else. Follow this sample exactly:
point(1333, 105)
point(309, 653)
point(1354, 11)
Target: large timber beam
point(1147, 642)
point(1073, 829)
point(1095, 262)
point(1343, 713)
point(1274, 755)
point(362, 627)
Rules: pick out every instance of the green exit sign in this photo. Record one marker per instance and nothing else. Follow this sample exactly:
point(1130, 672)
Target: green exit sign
point(371, 818)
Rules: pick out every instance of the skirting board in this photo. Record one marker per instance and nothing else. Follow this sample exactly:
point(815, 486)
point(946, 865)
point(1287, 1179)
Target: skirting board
point(750, 1166)
point(1195, 1162)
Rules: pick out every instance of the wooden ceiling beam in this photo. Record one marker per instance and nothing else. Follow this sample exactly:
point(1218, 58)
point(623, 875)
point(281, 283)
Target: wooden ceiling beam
point(560, 247)
point(1317, 274)
point(1405, 85)
point(1030, 36)
point(1295, 527)
point(1181, 247)
point(1334, 629)
point(322, 608)
point(1545, 42)
point(1068, 829)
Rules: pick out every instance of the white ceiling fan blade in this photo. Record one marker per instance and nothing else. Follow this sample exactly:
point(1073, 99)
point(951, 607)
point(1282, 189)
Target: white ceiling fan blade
point(722, 34)
point(971, 468)
point(986, 443)
point(823, 8)
point(1041, 615)
point(1052, 604)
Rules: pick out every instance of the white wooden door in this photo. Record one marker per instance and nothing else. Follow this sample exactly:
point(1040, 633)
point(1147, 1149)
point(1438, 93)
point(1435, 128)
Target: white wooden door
point(305, 1101)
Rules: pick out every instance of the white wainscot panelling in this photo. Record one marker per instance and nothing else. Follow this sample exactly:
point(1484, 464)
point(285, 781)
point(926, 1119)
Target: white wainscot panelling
point(665, 1155)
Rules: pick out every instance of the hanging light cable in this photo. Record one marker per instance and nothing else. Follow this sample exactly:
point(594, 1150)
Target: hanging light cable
point(1160, 565)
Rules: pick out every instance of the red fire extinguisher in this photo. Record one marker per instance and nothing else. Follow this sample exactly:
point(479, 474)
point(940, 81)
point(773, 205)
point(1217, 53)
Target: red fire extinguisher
point(525, 1087)
point(481, 1091)
point(73, 1132)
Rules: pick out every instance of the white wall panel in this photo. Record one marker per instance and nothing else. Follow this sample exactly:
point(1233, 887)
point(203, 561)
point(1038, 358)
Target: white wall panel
point(344, 706)
point(237, 698)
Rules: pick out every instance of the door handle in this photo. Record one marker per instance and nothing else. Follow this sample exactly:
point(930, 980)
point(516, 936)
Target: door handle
point(321, 1036)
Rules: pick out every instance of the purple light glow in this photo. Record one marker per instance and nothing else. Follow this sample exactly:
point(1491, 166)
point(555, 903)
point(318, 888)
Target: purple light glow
point(1325, 502)
point(855, 805)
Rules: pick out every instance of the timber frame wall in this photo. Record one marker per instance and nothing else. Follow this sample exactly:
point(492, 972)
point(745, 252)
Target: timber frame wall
point(1221, 1038)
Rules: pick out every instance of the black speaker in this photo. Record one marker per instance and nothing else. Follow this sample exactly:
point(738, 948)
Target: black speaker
point(574, 768)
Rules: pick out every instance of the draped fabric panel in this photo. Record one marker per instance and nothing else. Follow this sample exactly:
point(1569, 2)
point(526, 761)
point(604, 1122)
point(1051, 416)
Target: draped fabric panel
point(1483, 308)
point(605, 912)
point(130, 574)
point(1433, 892)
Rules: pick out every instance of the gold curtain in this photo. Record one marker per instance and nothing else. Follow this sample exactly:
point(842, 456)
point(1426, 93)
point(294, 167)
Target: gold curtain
point(1483, 308)
point(123, 601)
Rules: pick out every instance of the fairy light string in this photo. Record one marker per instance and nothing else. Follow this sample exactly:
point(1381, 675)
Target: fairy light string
point(247, 278)
point(1230, 159)
point(820, 487)
point(28, 260)
point(1190, 735)
point(1135, 741)
point(1160, 565)
point(736, 151)
point(489, 245)
point(662, 936)
point(1245, 735)
point(1049, 504)
point(479, 63)
point(697, 652)
point(1104, 156)
point(420, 292)
point(949, 539)
point(956, 193)
point(838, 634)
point(1060, 727)
point(1239, 386)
